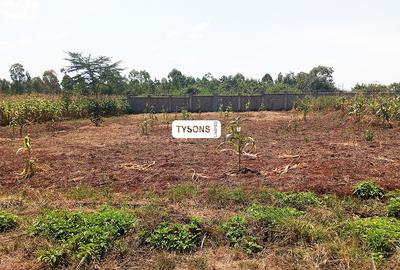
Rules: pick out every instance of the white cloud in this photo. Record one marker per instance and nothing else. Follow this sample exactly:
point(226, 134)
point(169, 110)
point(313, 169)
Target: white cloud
point(198, 30)
point(18, 9)
point(172, 33)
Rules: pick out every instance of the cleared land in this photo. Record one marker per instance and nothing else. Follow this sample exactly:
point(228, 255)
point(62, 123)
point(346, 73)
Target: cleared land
point(326, 154)
point(82, 167)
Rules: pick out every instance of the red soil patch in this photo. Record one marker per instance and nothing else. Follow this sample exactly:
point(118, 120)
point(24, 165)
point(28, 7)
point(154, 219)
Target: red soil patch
point(326, 154)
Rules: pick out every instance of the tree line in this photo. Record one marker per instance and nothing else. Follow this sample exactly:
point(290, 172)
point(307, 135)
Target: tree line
point(87, 75)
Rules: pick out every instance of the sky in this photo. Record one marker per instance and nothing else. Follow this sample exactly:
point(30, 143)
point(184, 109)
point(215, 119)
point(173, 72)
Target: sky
point(359, 39)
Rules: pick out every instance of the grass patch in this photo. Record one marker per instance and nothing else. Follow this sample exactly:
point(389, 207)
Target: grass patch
point(82, 236)
point(367, 189)
point(298, 200)
point(181, 192)
point(181, 237)
point(8, 221)
point(272, 216)
point(224, 197)
point(380, 234)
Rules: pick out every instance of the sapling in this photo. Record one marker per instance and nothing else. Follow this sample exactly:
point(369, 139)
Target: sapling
point(228, 110)
point(368, 135)
point(221, 109)
point(186, 115)
point(303, 105)
point(247, 106)
point(165, 115)
point(238, 143)
point(30, 164)
point(143, 126)
point(262, 107)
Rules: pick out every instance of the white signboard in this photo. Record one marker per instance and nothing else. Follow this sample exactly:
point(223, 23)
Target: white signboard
point(196, 129)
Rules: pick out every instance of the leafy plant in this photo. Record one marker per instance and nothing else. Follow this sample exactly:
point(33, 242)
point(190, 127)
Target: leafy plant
point(367, 189)
point(79, 235)
point(262, 107)
point(368, 135)
point(221, 108)
point(393, 207)
point(238, 143)
point(30, 164)
point(95, 113)
point(143, 126)
point(186, 115)
point(247, 107)
point(228, 111)
point(175, 236)
point(164, 115)
point(380, 234)
point(303, 105)
point(358, 107)
point(7, 221)
point(236, 232)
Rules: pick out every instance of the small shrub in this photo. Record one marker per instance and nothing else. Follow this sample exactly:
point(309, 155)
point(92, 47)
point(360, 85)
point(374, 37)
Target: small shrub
point(367, 189)
point(393, 208)
point(235, 230)
point(174, 236)
point(79, 235)
point(8, 221)
point(304, 106)
point(368, 135)
point(380, 234)
point(95, 112)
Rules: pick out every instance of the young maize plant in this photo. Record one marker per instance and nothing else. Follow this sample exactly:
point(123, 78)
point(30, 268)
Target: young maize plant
point(164, 115)
point(186, 115)
point(153, 117)
point(303, 105)
point(30, 164)
point(143, 126)
point(221, 109)
point(239, 144)
point(247, 107)
point(228, 111)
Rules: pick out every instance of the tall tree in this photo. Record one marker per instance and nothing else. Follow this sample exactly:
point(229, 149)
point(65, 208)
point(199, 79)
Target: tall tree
point(177, 79)
point(267, 78)
point(50, 81)
point(90, 71)
point(19, 78)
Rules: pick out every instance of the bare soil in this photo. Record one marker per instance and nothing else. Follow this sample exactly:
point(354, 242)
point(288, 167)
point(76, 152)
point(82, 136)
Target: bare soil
point(326, 154)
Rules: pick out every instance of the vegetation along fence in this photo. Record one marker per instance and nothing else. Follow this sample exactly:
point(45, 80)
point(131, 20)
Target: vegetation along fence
point(271, 102)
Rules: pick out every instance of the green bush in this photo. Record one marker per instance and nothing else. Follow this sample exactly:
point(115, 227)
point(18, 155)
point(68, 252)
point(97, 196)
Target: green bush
point(367, 189)
point(7, 221)
point(235, 230)
point(174, 236)
point(80, 235)
point(393, 208)
point(380, 234)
